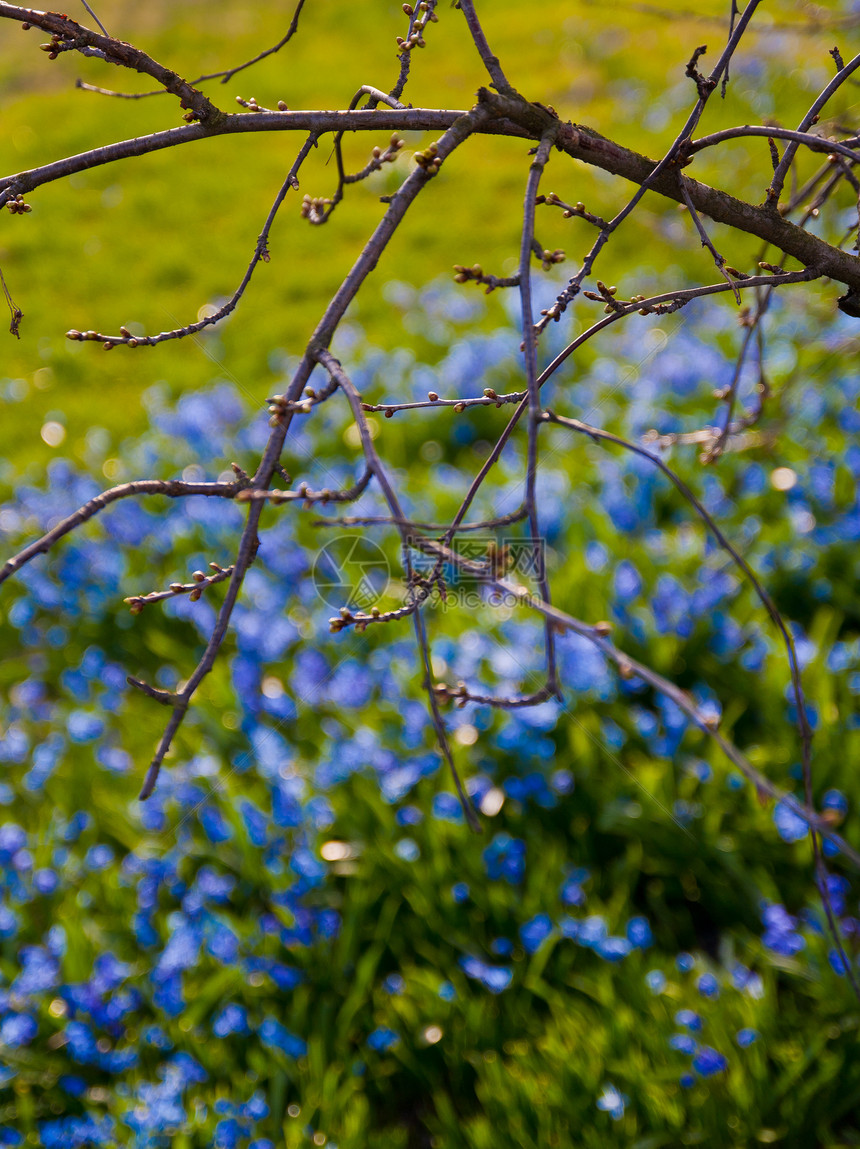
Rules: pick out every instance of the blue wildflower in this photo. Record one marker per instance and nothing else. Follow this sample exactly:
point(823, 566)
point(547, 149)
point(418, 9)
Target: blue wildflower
point(655, 979)
point(683, 1043)
point(708, 986)
point(535, 932)
point(231, 1018)
point(746, 1037)
point(689, 1019)
point(612, 948)
point(18, 1029)
point(382, 1039)
point(505, 857)
point(790, 826)
point(639, 933)
point(612, 1101)
point(707, 1062)
point(275, 1036)
point(494, 978)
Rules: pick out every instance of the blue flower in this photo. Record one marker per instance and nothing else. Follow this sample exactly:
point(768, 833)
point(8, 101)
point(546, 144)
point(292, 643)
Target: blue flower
point(168, 996)
point(746, 1037)
point(447, 807)
point(591, 931)
point(683, 1043)
point(708, 986)
point(407, 850)
point(18, 1029)
point(84, 727)
point(231, 1018)
point(780, 933)
point(611, 1101)
point(255, 823)
point(39, 971)
point(689, 1019)
point(12, 839)
point(45, 881)
point(707, 1062)
point(409, 816)
point(81, 1043)
point(505, 857)
point(837, 963)
point(790, 826)
point(98, 857)
point(836, 802)
point(307, 866)
point(214, 826)
point(639, 933)
point(221, 942)
point(655, 979)
point(612, 948)
point(74, 1086)
point(108, 973)
point(227, 1134)
point(255, 1108)
point(535, 932)
point(494, 978)
point(837, 888)
point(180, 952)
point(572, 893)
point(187, 1070)
point(383, 1039)
point(275, 1036)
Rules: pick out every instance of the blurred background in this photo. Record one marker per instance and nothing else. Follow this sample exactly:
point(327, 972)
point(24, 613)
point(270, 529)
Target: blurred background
point(298, 940)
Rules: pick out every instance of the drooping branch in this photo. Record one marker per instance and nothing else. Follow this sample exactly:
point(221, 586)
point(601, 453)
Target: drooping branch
point(68, 35)
point(171, 488)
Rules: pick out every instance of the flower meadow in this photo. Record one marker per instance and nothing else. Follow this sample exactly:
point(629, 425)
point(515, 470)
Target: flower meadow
point(297, 940)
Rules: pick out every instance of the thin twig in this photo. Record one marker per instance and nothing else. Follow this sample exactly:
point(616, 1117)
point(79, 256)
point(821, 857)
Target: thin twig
point(171, 488)
point(776, 184)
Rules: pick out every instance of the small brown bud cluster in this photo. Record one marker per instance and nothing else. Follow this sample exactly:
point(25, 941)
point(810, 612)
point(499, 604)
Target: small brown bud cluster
point(571, 209)
point(17, 206)
point(280, 406)
point(548, 258)
point(429, 159)
point(360, 620)
point(54, 48)
point(252, 105)
point(425, 14)
point(314, 209)
point(607, 296)
point(388, 155)
point(445, 693)
point(465, 274)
